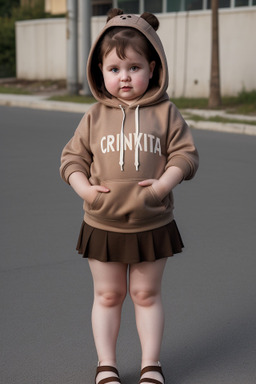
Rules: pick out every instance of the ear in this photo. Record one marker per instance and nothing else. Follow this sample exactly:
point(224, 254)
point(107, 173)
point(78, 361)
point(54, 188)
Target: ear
point(100, 66)
point(152, 65)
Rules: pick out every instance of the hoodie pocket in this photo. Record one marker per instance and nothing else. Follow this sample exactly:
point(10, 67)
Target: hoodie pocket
point(127, 202)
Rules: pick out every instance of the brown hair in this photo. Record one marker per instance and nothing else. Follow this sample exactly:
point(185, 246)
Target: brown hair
point(121, 38)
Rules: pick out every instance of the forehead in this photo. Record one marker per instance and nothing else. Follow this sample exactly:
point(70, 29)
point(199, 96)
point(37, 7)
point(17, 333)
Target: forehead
point(130, 55)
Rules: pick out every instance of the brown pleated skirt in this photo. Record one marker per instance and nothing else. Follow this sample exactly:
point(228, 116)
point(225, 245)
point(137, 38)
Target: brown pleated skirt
point(129, 248)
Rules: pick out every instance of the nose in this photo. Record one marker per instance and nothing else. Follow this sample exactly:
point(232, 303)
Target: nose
point(125, 76)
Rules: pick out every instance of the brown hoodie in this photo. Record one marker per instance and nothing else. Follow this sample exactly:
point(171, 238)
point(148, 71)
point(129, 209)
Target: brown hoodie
point(118, 145)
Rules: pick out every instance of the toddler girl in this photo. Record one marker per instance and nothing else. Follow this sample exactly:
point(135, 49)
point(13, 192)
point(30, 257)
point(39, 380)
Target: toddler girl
point(126, 156)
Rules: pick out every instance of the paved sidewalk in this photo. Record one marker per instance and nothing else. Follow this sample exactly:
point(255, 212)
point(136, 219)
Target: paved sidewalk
point(41, 102)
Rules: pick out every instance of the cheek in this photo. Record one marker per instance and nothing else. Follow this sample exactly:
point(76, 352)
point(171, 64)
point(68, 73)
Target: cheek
point(142, 82)
point(110, 82)
point(111, 85)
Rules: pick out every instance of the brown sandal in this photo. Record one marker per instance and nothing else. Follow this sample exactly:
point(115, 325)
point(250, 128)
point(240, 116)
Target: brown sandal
point(150, 368)
point(107, 368)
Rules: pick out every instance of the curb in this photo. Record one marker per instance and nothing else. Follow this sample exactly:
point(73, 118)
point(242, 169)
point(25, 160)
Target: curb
point(40, 102)
point(242, 129)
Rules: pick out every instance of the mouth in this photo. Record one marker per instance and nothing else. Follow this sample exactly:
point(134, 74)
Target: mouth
point(126, 88)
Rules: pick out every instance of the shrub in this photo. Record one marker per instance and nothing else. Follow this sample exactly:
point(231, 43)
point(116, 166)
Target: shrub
point(7, 47)
point(7, 34)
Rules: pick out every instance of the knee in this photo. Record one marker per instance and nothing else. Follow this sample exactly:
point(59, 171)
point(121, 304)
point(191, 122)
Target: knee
point(144, 298)
point(110, 298)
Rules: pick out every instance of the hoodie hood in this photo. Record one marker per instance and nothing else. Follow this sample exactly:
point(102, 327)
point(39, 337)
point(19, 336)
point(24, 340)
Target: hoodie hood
point(153, 95)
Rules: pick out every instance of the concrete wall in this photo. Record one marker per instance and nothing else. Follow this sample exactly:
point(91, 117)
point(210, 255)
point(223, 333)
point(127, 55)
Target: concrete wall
point(41, 49)
point(186, 36)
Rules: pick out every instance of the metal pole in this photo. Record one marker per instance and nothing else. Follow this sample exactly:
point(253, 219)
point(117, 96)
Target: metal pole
point(85, 14)
point(215, 94)
point(72, 48)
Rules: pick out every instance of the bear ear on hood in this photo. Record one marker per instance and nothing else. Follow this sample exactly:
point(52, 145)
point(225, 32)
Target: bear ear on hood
point(113, 13)
point(149, 17)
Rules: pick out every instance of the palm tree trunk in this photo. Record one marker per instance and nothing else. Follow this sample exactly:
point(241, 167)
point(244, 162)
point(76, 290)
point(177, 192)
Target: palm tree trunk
point(215, 97)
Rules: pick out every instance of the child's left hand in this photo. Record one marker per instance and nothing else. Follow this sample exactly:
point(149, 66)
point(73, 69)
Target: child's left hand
point(156, 185)
point(170, 178)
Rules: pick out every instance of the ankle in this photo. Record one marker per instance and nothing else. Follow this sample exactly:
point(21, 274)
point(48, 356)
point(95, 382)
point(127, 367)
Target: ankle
point(147, 363)
point(107, 362)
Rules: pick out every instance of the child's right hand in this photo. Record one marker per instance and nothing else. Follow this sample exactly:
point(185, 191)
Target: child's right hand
point(83, 187)
point(91, 192)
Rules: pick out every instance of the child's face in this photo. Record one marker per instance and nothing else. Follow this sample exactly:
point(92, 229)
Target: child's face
point(126, 79)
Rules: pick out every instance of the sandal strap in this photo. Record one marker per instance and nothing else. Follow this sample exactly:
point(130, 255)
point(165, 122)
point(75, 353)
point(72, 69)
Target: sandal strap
point(150, 368)
point(153, 381)
point(107, 368)
point(110, 380)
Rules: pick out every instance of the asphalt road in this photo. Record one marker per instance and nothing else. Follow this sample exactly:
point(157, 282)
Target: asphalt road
point(46, 289)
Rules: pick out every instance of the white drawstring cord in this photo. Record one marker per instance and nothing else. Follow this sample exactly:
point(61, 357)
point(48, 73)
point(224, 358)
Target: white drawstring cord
point(137, 130)
point(121, 158)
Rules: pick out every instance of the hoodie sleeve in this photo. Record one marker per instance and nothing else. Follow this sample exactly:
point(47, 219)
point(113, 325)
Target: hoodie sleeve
point(76, 155)
point(181, 150)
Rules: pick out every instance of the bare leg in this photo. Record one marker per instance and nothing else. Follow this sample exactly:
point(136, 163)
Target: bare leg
point(110, 285)
point(145, 291)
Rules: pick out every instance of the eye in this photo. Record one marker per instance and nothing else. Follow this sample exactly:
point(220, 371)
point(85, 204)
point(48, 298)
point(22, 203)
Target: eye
point(134, 68)
point(114, 70)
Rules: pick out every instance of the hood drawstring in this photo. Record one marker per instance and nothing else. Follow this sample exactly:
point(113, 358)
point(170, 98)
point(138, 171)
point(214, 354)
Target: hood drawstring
point(137, 131)
point(121, 158)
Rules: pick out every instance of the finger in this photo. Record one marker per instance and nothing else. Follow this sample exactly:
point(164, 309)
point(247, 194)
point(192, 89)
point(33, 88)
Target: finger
point(146, 183)
point(101, 188)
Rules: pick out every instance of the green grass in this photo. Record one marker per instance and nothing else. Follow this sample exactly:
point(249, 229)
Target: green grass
point(244, 103)
point(14, 90)
point(183, 103)
point(73, 99)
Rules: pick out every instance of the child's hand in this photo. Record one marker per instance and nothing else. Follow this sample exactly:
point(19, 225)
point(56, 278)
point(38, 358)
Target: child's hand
point(156, 185)
point(91, 192)
point(84, 189)
point(170, 178)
